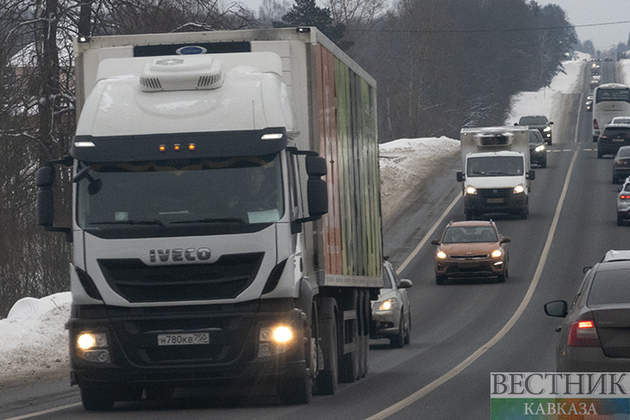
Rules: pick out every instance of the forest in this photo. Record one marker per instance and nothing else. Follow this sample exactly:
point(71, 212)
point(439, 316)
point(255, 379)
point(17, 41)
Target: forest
point(440, 65)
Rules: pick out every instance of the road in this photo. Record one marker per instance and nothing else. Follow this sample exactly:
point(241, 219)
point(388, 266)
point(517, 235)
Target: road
point(461, 332)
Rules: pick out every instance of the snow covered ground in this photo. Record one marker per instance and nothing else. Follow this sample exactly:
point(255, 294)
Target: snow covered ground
point(33, 340)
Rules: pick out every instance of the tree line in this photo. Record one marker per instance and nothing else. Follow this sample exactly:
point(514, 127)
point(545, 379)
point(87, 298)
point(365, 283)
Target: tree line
point(439, 64)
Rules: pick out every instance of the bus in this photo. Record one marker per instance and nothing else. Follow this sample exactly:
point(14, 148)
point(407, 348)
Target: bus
point(609, 100)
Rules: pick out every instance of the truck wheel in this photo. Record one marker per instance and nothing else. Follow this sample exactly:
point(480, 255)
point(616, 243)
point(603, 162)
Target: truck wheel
point(97, 399)
point(619, 219)
point(398, 341)
point(327, 378)
point(408, 330)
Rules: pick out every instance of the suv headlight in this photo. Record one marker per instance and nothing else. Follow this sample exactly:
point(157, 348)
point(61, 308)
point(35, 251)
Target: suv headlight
point(540, 148)
point(547, 129)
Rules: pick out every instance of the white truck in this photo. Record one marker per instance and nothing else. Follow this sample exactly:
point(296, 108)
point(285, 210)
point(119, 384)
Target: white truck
point(201, 257)
point(497, 173)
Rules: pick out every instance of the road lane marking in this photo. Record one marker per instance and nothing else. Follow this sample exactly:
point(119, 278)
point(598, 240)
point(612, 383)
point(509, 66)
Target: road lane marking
point(428, 235)
point(507, 327)
point(41, 413)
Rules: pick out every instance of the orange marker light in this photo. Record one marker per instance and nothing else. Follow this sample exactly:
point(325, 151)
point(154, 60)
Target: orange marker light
point(162, 148)
point(177, 147)
point(191, 146)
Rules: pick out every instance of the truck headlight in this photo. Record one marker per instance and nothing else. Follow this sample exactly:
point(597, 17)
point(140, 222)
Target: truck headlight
point(519, 189)
point(93, 347)
point(470, 190)
point(274, 339)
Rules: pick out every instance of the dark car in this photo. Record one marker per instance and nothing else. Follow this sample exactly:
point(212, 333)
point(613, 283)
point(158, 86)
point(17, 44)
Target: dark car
point(471, 249)
point(537, 149)
point(612, 138)
point(595, 332)
point(621, 164)
point(391, 313)
point(540, 123)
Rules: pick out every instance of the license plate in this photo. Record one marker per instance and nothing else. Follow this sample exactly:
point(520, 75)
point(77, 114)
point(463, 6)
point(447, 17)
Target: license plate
point(621, 139)
point(495, 200)
point(183, 339)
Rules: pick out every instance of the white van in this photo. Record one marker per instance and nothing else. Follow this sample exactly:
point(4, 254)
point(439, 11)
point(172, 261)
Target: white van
point(609, 100)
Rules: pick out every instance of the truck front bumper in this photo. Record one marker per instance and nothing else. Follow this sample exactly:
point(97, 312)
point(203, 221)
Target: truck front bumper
point(232, 354)
point(495, 201)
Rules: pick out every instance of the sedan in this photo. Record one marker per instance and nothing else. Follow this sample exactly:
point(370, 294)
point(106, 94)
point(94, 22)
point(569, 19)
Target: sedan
point(623, 203)
point(471, 249)
point(595, 331)
point(612, 138)
point(621, 164)
point(391, 313)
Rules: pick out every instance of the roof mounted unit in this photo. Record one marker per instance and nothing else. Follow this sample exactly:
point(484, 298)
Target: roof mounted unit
point(182, 73)
point(494, 139)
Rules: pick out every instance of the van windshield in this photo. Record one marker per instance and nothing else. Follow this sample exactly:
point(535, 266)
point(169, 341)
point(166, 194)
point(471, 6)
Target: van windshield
point(495, 166)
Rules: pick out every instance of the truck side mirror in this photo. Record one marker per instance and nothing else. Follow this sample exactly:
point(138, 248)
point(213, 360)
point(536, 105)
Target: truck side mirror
point(317, 197)
point(460, 176)
point(316, 166)
point(531, 175)
point(45, 179)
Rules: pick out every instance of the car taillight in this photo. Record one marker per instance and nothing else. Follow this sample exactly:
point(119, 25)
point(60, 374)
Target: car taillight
point(595, 126)
point(583, 333)
point(624, 197)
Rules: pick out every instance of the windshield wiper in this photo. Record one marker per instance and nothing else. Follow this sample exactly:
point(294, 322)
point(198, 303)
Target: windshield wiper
point(208, 220)
point(131, 222)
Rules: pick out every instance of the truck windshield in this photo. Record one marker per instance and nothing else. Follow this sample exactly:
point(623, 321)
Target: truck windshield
point(237, 190)
point(495, 166)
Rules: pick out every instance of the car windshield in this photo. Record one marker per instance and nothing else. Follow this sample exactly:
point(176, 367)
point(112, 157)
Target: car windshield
point(495, 166)
point(623, 152)
point(237, 190)
point(610, 287)
point(469, 234)
point(532, 121)
point(535, 137)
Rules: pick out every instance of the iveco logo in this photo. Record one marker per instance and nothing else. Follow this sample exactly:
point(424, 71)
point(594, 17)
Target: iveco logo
point(179, 254)
point(495, 191)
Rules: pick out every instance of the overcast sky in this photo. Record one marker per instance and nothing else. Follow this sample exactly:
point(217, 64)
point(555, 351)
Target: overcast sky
point(582, 13)
point(589, 17)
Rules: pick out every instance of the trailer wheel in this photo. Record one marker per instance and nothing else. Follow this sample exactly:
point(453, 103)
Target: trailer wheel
point(327, 378)
point(97, 398)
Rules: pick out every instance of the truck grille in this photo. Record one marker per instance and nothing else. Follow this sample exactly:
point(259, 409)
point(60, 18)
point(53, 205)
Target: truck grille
point(225, 279)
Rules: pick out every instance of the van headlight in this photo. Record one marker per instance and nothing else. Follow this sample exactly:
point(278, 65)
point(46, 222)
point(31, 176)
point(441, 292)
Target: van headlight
point(519, 189)
point(470, 190)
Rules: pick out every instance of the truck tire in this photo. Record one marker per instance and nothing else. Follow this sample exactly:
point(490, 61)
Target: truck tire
point(328, 377)
point(97, 398)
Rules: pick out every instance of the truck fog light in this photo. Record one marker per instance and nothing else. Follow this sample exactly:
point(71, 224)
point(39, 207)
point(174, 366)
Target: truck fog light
point(97, 356)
